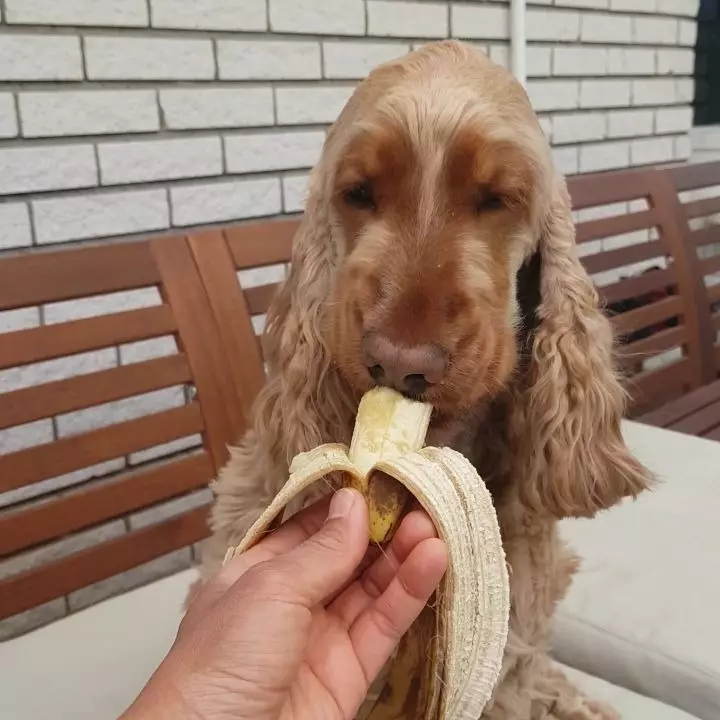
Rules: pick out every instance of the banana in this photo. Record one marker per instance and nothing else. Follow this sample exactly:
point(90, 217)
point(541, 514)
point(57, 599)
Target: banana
point(447, 665)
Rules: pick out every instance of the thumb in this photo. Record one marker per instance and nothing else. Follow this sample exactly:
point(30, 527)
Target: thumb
point(326, 561)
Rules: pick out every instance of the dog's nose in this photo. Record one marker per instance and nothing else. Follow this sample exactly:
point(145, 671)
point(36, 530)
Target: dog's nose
point(407, 369)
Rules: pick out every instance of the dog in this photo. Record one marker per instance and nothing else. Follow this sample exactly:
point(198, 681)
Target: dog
point(437, 256)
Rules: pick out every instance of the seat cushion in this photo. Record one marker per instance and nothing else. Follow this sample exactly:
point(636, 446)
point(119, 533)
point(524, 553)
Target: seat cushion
point(93, 664)
point(644, 611)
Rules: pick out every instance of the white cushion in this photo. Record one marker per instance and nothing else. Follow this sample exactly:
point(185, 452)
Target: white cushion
point(644, 611)
point(92, 665)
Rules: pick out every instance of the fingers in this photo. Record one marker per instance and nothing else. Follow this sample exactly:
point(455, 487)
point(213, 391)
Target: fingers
point(378, 629)
point(415, 527)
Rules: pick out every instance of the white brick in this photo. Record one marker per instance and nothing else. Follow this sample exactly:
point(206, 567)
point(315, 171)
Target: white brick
point(255, 277)
point(21, 437)
point(595, 4)
point(21, 319)
point(108, 13)
point(32, 169)
point(339, 17)
point(580, 61)
point(678, 61)
point(605, 156)
point(88, 112)
point(83, 421)
point(185, 109)
point(135, 58)
point(60, 549)
point(407, 19)
point(268, 60)
point(32, 619)
point(653, 91)
point(539, 59)
point(632, 61)
point(604, 93)
point(295, 188)
point(40, 57)
point(173, 508)
point(554, 94)
point(687, 32)
point(152, 160)
point(648, 6)
point(655, 30)
point(566, 159)
point(147, 349)
point(305, 105)
point(244, 15)
point(61, 368)
point(8, 118)
point(100, 215)
point(630, 123)
point(171, 448)
point(683, 151)
point(677, 120)
point(578, 127)
point(684, 90)
point(547, 125)
point(222, 202)
point(100, 305)
point(551, 25)
point(14, 226)
point(273, 151)
point(350, 60)
point(258, 323)
point(606, 29)
point(651, 150)
point(689, 8)
point(490, 22)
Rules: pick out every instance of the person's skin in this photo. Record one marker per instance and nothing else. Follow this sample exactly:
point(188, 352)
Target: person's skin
point(299, 626)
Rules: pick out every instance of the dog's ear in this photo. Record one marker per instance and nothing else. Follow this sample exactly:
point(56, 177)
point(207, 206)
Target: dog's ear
point(575, 459)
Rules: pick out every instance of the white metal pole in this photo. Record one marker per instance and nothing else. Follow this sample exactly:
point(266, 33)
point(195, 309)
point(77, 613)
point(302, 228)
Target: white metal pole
point(518, 41)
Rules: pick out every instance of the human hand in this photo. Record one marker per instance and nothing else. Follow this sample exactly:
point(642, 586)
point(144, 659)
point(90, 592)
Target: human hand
point(299, 626)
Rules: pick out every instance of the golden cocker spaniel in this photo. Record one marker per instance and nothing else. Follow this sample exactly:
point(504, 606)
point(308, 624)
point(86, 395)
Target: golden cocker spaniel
point(437, 255)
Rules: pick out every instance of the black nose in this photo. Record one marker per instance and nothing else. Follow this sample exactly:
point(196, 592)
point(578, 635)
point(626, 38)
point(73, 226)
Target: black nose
point(409, 369)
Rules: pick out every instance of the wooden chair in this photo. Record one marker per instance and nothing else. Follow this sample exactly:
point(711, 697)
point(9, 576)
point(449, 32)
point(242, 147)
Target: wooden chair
point(631, 243)
point(215, 412)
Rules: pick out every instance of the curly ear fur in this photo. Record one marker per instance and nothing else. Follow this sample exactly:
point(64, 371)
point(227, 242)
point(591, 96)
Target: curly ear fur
point(576, 461)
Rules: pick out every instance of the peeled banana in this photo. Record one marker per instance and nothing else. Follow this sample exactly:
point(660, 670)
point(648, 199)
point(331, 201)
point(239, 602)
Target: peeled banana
point(448, 664)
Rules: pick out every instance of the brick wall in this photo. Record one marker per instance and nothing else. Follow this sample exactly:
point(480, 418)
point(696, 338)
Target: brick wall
point(126, 117)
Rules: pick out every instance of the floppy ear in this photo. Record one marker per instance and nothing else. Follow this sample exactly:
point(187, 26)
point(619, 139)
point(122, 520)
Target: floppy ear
point(576, 461)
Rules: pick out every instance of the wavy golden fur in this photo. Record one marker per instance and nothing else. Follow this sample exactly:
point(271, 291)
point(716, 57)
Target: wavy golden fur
point(435, 215)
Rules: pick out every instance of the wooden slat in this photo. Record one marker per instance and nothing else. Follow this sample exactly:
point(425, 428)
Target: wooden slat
point(682, 407)
point(705, 236)
point(43, 277)
point(696, 175)
point(102, 501)
point(34, 464)
point(713, 434)
point(82, 391)
point(40, 585)
point(647, 315)
point(710, 265)
point(636, 286)
point(701, 421)
point(258, 298)
point(713, 293)
point(656, 343)
point(653, 388)
point(200, 337)
point(46, 343)
point(260, 244)
point(611, 259)
point(700, 208)
point(595, 189)
point(715, 318)
point(234, 326)
point(615, 225)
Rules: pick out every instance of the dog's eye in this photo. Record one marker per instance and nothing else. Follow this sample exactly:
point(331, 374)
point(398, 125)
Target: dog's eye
point(487, 201)
point(360, 196)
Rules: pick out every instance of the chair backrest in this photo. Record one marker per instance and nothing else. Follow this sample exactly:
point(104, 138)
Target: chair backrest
point(632, 245)
point(110, 356)
point(698, 191)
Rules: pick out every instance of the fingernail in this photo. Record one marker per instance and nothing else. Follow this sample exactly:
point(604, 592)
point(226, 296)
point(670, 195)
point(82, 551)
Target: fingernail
point(341, 503)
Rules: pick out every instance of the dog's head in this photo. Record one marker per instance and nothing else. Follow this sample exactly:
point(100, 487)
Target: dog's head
point(437, 256)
